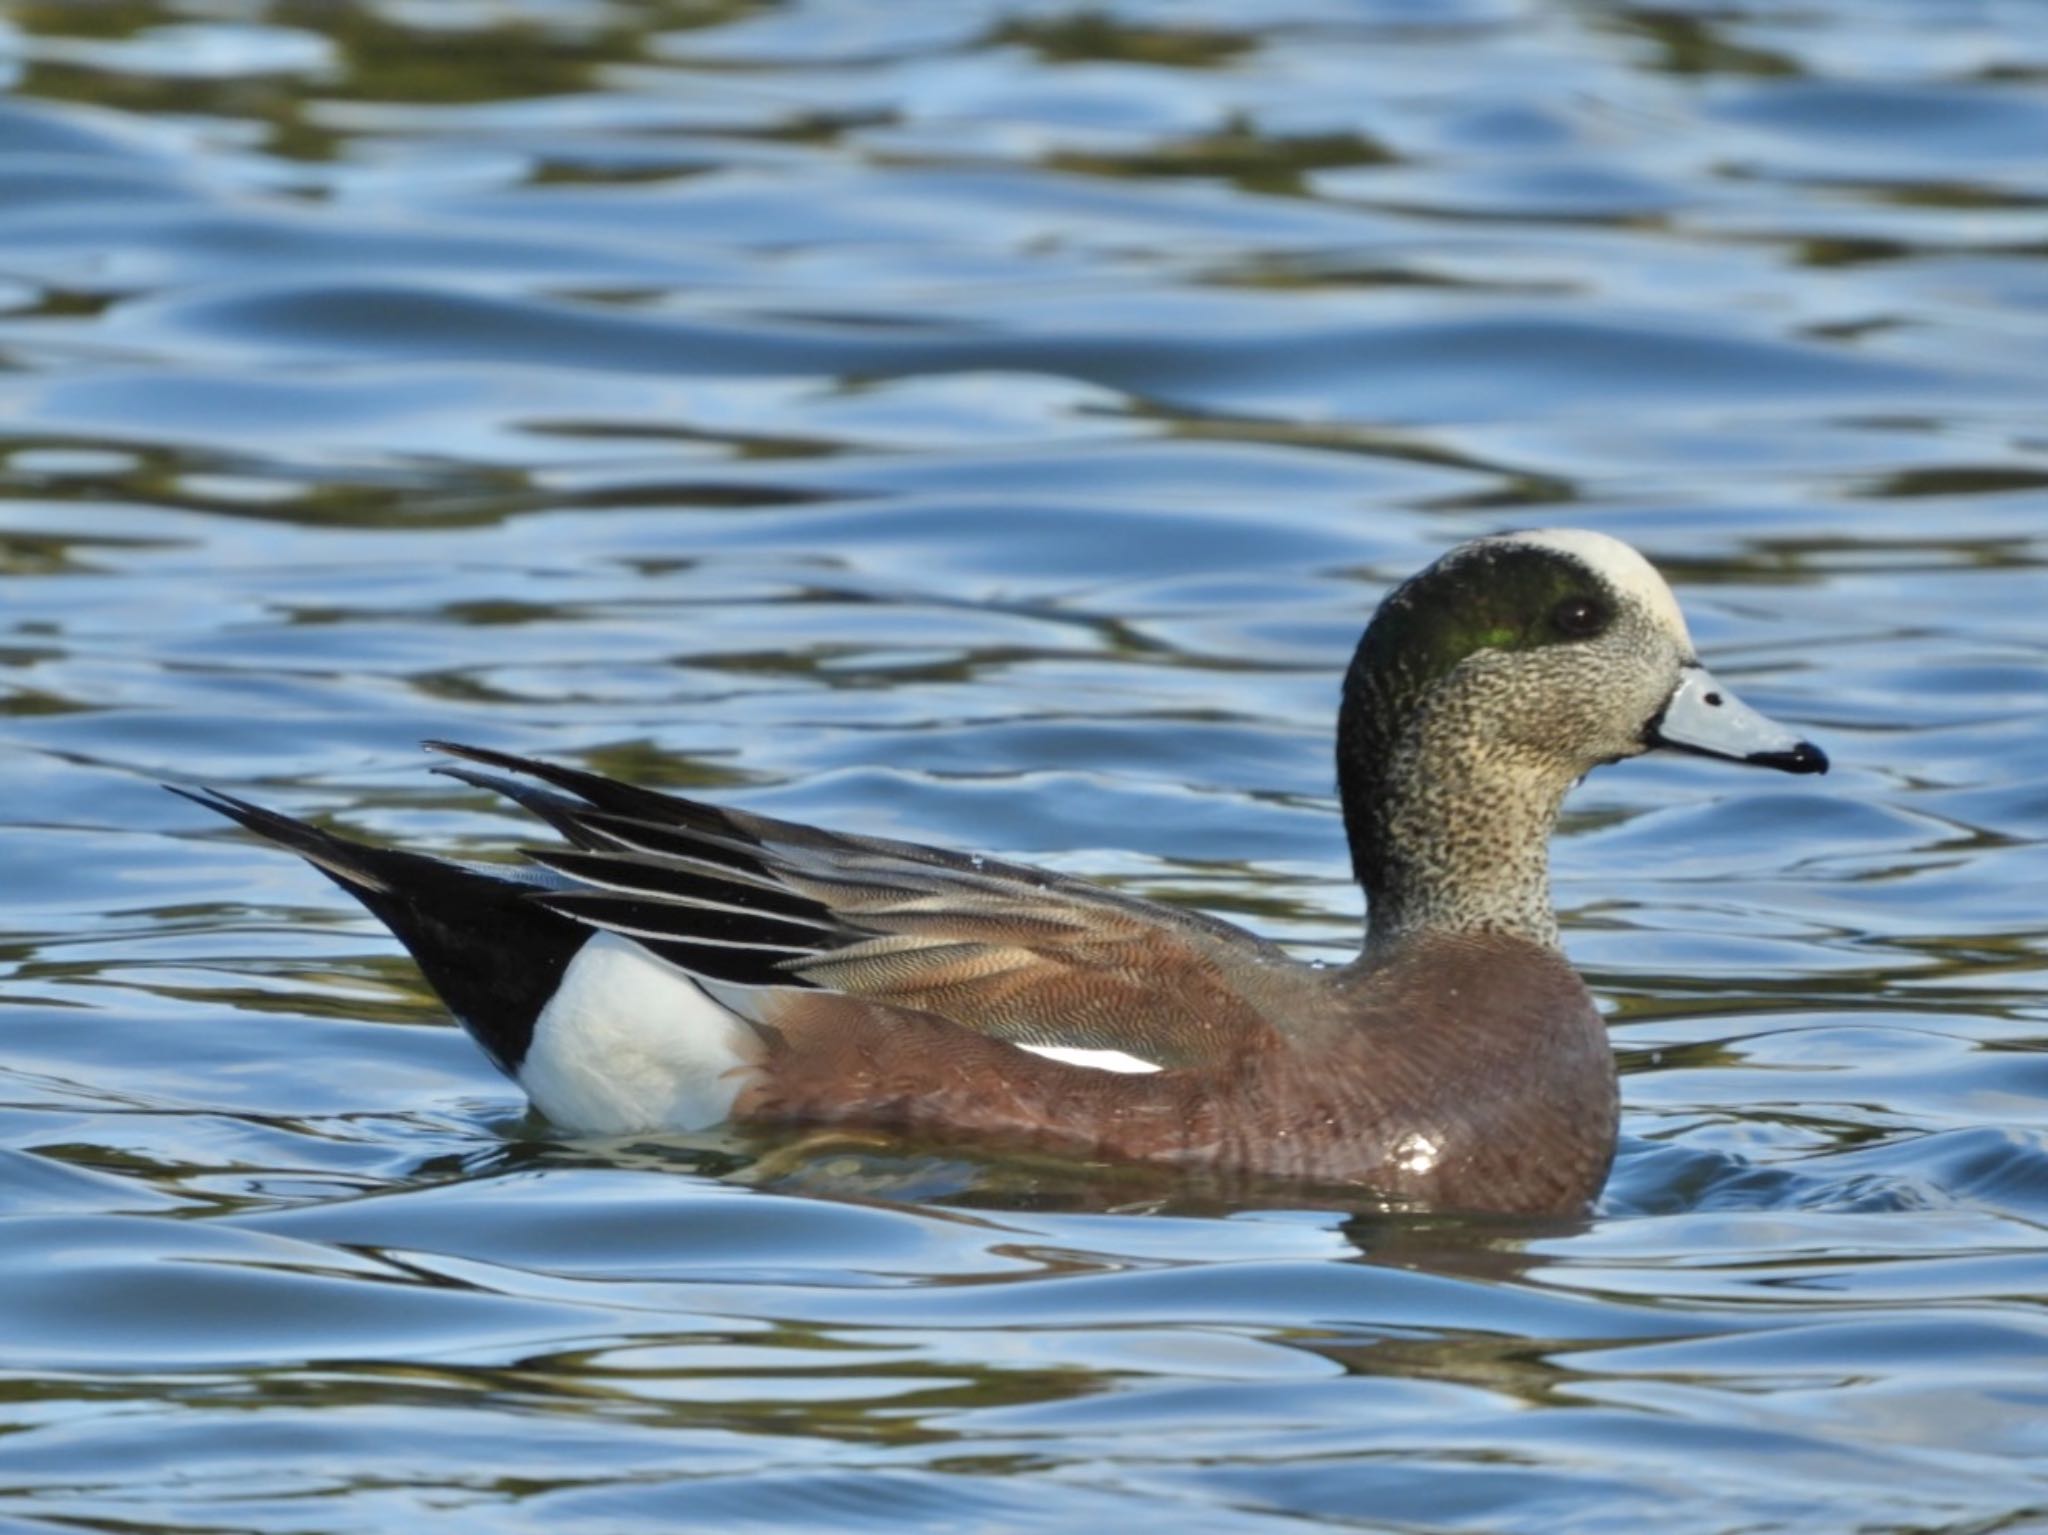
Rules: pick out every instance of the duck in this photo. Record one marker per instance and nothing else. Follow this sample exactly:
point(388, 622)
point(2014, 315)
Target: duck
point(671, 965)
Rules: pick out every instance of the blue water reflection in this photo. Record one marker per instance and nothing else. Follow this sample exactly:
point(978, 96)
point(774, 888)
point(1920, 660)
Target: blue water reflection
point(990, 422)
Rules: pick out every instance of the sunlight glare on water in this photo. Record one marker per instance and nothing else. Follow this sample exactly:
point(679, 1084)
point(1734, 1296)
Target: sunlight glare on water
point(991, 422)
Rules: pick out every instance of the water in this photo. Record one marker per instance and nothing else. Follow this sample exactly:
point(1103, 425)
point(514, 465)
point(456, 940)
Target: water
point(991, 423)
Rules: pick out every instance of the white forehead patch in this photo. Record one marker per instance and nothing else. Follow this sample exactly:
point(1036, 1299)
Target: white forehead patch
point(1620, 566)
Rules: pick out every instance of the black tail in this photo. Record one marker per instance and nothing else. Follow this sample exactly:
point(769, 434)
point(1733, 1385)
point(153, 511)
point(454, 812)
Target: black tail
point(492, 954)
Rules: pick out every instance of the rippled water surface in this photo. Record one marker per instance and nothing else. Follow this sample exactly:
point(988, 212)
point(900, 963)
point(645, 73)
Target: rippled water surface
point(991, 421)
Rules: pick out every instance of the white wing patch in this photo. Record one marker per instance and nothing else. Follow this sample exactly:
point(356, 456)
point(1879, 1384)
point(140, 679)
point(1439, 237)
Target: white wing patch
point(1623, 568)
point(630, 1043)
point(1095, 1060)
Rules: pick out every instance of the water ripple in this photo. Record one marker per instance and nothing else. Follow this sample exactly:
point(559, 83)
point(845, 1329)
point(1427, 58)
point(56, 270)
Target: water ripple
point(990, 423)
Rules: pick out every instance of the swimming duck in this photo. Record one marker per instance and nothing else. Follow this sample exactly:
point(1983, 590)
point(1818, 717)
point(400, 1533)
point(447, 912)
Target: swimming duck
point(672, 964)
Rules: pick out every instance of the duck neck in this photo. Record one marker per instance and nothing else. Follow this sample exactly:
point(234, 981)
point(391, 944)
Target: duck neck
point(1450, 831)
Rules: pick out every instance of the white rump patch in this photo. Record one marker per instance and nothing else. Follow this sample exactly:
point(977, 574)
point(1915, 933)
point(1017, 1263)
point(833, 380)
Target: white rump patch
point(1622, 567)
point(632, 1043)
point(1095, 1060)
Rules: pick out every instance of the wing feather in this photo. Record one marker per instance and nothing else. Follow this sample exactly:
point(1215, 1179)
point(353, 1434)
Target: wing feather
point(1018, 953)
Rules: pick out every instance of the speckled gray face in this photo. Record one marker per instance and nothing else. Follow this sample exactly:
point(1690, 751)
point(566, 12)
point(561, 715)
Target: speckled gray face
point(1620, 676)
point(1484, 688)
point(1533, 645)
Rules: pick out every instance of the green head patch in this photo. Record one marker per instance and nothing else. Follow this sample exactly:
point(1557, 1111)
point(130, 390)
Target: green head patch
point(1486, 596)
point(1489, 596)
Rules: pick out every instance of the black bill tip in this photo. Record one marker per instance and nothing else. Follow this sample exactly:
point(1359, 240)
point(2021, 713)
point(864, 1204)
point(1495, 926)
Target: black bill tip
point(1803, 757)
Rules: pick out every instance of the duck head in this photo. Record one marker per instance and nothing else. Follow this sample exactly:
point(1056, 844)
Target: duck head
point(1488, 684)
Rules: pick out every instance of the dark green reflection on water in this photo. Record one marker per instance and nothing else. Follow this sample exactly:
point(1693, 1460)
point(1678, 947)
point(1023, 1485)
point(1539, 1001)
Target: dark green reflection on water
point(989, 424)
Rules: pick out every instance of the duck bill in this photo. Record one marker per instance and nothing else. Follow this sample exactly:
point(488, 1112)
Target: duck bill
point(1704, 717)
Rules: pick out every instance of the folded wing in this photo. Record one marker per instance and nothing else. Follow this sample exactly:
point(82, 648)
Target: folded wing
point(1017, 953)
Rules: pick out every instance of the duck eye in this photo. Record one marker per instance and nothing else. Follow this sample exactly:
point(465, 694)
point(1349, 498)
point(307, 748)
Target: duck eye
point(1579, 618)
